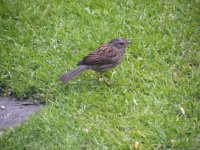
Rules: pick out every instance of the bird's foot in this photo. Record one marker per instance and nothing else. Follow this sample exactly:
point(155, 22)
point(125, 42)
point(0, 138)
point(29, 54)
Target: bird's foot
point(108, 82)
point(100, 76)
point(101, 79)
point(104, 79)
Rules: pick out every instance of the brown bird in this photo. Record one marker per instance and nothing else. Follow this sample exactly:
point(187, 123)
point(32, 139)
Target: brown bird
point(104, 58)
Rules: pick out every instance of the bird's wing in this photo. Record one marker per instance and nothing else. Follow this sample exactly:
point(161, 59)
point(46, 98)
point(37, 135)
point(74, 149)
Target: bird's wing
point(105, 54)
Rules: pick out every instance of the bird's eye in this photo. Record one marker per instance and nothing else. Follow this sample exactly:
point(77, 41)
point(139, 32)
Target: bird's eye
point(121, 43)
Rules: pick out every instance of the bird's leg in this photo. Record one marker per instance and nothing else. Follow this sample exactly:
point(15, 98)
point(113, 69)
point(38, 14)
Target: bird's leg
point(108, 82)
point(102, 78)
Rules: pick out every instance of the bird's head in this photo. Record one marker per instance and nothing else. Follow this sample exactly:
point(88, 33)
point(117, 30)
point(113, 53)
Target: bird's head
point(119, 43)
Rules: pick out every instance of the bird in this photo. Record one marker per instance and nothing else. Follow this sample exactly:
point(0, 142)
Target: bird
point(105, 57)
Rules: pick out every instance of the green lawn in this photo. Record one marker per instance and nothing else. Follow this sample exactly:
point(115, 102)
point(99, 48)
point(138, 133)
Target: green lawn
point(158, 79)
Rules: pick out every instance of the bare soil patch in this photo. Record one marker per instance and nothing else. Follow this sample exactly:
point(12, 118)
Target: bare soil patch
point(13, 112)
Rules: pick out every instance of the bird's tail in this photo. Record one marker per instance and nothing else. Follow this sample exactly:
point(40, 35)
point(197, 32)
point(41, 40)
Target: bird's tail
point(68, 76)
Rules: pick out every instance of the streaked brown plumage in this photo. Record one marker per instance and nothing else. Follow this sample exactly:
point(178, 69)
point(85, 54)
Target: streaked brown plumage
point(104, 58)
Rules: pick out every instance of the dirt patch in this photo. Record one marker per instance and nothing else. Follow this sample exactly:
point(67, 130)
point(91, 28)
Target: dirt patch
point(13, 112)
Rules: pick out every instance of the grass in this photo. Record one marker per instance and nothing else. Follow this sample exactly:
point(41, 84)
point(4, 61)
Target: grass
point(154, 96)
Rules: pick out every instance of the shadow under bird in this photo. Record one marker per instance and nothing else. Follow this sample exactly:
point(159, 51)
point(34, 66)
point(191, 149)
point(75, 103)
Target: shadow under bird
point(105, 57)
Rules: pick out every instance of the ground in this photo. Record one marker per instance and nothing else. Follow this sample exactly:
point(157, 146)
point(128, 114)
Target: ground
point(13, 112)
point(153, 100)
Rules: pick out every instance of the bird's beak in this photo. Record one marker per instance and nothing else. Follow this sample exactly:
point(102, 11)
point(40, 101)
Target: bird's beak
point(128, 42)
